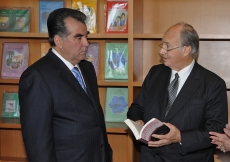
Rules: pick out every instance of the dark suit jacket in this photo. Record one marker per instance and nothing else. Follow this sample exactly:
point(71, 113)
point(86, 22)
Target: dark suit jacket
point(59, 121)
point(200, 107)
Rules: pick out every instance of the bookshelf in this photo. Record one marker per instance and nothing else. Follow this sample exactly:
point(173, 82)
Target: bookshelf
point(148, 20)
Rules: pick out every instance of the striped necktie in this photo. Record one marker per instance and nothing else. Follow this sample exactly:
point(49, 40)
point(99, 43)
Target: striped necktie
point(79, 78)
point(172, 92)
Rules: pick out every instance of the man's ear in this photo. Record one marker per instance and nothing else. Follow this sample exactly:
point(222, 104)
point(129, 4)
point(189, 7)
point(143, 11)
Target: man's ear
point(58, 41)
point(187, 50)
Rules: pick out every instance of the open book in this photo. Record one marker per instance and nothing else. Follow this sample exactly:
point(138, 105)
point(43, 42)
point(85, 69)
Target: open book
point(143, 133)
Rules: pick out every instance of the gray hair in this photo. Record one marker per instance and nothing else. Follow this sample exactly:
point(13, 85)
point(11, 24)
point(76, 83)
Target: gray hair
point(189, 37)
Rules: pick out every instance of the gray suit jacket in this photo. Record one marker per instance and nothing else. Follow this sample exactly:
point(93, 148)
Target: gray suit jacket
point(200, 107)
point(59, 121)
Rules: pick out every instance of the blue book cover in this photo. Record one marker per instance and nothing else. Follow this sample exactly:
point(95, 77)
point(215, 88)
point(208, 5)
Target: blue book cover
point(116, 104)
point(45, 8)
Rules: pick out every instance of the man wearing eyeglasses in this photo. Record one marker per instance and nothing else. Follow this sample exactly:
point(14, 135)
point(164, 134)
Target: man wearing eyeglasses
point(190, 99)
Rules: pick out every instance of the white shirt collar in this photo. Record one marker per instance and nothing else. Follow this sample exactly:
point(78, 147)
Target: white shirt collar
point(67, 63)
point(183, 75)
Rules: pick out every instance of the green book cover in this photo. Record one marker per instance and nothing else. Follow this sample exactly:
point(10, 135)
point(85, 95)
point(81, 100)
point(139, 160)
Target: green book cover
point(116, 104)
point(10, 105)
point(21, 18)
point(116, 61)
point(6, 19)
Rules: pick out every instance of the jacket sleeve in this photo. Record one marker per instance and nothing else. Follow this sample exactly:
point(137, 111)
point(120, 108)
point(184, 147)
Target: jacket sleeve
point(36, 115)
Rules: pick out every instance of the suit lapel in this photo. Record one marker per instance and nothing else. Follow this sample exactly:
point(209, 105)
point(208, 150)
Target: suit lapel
point(189, 87)
point(90, 86)
point(164, 79)
point(67, 75)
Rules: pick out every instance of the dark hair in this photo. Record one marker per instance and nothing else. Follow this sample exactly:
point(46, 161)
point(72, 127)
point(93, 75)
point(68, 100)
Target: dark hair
point(189, 37)
point(56, 24)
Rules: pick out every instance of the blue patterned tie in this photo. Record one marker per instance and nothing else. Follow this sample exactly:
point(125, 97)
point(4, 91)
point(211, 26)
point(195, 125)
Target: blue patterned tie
point(79, 78)
point(172, 91)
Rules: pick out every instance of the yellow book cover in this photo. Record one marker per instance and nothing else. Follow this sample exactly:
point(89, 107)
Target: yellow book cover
point(89, 8)
point(45, 46)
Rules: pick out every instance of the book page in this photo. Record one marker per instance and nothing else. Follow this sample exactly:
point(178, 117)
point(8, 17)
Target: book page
point(149, 128)
point(136, 128)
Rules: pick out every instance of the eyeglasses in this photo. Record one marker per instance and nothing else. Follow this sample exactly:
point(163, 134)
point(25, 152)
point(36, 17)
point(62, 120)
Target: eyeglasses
point(161, 46)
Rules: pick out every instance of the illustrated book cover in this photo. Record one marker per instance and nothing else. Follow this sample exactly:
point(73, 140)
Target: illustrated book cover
point(89, 8)
point(116, 104)
point(14, 59)
point(45, 8)
point(143, 133)
point(45, 46)
point(92, 55)
point(21, 19)
point(117, 17)
point(116, 61)
point(10, 105)
point(15, 19)
point(6, 19)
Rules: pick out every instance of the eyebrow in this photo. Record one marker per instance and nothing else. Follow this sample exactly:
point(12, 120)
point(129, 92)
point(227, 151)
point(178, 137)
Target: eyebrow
point(81, 35)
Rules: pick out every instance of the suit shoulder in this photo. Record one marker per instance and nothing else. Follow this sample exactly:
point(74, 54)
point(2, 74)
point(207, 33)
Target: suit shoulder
point(158, 68)
point(210, 76)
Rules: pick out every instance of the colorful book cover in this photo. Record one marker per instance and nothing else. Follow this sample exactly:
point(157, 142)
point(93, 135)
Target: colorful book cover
point(45, 8)
point(10, 105)
point(93, 55)
point(45, 46)
point(6, 19)
point(116, 104)
point(89, 8)
point(117, 17)
point(21, 20)
point(116, 61)
point(14, 59)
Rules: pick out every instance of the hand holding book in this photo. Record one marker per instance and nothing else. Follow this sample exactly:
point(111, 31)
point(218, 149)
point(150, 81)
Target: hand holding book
point(144, 133)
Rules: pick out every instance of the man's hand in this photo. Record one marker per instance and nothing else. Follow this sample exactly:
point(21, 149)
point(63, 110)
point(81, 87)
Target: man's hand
point(140, 122)
point(172, 137)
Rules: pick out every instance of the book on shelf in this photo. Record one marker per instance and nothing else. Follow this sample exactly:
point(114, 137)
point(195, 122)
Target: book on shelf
point(116, 61)
point(92, 55)
point(15, 19)
point(10, 105)
point(45, 46)
point(116, 104)
point(117, 16)
point(89, 8)
point(45, 8)
point(14, 59)
point(144, 133)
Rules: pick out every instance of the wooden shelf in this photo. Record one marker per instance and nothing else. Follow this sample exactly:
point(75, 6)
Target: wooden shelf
point(113, 83)
point(201, 36)
point(45, 35)
point(9, 81)
point(111, 127)
point(10, 123)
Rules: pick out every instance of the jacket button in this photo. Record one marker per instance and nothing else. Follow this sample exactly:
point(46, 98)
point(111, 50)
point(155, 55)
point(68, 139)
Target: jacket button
point(101, 145)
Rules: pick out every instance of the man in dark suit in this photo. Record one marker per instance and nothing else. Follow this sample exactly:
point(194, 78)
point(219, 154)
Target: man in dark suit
point(61, 121)
point(200, 105)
